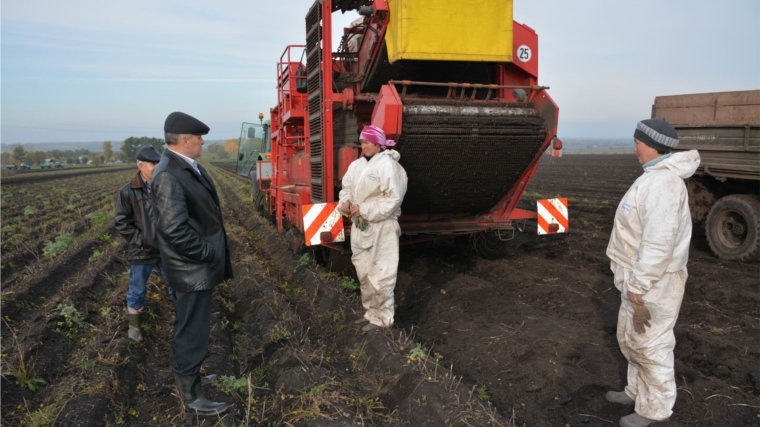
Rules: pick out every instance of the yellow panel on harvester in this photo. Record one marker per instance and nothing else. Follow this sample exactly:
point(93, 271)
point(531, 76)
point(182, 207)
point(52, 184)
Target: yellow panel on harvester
point(450, 30)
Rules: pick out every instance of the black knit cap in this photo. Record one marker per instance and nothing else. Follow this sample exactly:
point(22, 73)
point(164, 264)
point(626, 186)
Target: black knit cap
point(181, 123)
point(148, 154)
point(657, 133)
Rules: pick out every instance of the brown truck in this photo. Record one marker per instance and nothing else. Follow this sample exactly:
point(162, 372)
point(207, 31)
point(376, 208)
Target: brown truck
point(725, 191)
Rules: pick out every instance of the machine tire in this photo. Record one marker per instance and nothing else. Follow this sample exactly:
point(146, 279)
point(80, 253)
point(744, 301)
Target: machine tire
point(488, 245)
point(733, 228)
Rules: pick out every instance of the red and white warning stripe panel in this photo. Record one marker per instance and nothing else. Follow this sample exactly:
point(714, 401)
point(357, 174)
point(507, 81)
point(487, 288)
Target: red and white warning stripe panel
point(552, 216)
point(322, 223)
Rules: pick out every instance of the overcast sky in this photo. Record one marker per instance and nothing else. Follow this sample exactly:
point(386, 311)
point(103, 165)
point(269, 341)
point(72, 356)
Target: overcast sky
point(98, 70)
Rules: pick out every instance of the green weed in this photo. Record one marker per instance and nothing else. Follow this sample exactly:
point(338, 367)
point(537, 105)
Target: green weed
point(374, 404)
point(8, 229)
point(348, 283)
point(263, 370)
point(96, 254)
point(291, 292)
point(100, 219)
point(418, 352)
point(62, 242)
point(421, 401)
point(483, 394)
point(29, 211)
point(230, 384)
point(317, 389)
point(279, 333)
point(305, 260)
point(42, 417)
point(72, 321)
point(104, 238)
point(358, 355)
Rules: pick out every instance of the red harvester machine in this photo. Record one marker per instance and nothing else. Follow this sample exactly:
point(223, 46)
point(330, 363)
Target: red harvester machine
point(454, 83)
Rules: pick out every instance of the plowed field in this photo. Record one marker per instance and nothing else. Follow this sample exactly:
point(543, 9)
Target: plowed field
point(526, 340)
point(283, 339)
point(538, 327)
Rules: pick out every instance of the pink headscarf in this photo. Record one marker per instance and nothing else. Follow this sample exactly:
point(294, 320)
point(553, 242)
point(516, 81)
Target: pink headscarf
point(376, 136)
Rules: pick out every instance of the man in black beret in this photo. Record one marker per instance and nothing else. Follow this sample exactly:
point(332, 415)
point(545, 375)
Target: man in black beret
point(134, 221)
point(193, 245)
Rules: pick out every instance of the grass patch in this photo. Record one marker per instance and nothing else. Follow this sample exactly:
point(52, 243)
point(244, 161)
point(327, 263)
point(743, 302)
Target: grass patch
point(21, 369)
point(279, 333)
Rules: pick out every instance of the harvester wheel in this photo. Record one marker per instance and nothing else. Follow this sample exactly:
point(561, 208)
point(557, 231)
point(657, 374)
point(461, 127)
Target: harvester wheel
point(490, 246)
point(733, 228)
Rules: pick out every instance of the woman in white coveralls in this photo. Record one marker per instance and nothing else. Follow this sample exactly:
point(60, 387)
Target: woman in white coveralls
point(373, 189)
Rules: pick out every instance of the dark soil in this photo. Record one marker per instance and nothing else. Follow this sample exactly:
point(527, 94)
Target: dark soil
point(538, 327)
point(32, 175)
point(533, 334)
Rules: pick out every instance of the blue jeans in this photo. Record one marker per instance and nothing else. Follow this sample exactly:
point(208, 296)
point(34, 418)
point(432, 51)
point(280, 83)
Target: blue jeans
point(138, 277)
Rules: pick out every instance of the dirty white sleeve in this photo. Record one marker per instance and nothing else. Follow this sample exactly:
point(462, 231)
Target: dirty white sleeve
point(659, 222)
point(393, 188)
point(346, 186)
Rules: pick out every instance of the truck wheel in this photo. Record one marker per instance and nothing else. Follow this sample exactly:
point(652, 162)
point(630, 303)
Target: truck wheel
point(490, 246)
point(733, 228)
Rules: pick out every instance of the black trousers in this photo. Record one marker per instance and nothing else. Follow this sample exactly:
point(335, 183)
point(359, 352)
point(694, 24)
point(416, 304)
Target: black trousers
point(191, 331)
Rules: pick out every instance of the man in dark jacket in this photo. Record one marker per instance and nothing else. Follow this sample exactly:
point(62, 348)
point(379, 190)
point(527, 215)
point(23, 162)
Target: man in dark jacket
point(193, 245)
point(134, 221)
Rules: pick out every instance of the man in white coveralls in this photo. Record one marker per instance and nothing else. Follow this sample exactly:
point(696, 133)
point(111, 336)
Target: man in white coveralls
point(649, 247)
point(372, 191)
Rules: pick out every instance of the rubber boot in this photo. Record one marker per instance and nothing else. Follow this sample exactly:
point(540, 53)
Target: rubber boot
point(134, 333)
point(210, 378)
point(619, 397)
point(192, 394)
point(370, 327)
point(636, 420)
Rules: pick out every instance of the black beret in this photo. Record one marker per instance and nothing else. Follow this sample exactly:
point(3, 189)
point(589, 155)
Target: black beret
point(181, 123)
point(148, 154)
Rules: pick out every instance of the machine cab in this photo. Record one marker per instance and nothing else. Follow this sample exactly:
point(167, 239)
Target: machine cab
point(254, 143)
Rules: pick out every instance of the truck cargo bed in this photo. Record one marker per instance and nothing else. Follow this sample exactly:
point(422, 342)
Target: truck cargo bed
point(724, 127)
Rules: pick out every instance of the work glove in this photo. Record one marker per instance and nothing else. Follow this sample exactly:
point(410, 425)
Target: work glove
point(641, 318)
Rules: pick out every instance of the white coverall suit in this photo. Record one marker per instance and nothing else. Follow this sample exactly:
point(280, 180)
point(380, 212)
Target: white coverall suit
point(649, 247)
point(378, 187)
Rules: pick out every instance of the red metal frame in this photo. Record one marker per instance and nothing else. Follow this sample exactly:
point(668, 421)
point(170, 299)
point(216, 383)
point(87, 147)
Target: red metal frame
point(327, 107)
point(290, 152)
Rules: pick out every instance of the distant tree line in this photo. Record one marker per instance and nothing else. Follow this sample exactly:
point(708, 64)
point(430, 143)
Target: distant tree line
point(127, 153)
point(130, 146)
point(19, 155)
point(218, 151)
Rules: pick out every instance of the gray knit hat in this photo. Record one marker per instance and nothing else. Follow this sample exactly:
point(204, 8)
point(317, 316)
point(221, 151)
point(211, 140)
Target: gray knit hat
point(656, 133)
